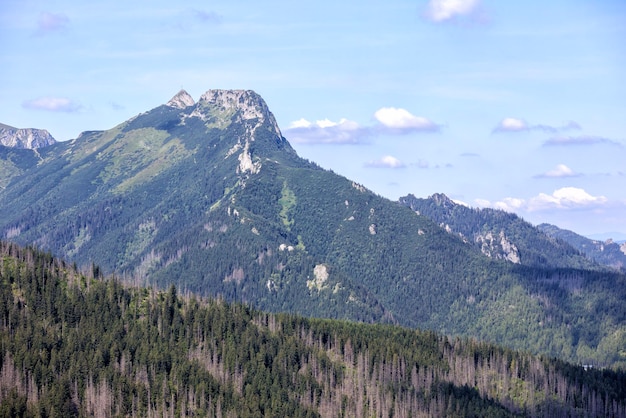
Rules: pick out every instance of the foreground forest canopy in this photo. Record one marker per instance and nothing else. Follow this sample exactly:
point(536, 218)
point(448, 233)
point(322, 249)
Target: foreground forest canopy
point(79, 345)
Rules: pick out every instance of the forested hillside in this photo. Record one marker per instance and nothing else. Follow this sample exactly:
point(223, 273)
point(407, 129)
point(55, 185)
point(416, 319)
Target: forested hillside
point(77, 345)
point(210, 197)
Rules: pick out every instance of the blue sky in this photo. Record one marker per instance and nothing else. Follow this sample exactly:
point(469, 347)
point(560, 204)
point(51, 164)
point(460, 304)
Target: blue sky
point(508, 104)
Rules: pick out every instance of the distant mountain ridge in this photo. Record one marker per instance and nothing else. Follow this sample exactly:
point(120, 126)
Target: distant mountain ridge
point(615, 236)
point(499, 234)
point(606, 252)
point(209, 195)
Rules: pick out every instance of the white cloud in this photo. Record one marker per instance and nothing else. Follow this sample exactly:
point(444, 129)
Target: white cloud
point(482, 203)
point(509, 204)
point(402, 121)
point(387, 161)
point(511, 125)
point(561, 170)
point(300, 123)
point(565, 198)
point(50, 22)
point(326, 123)
point(460, 202)
point(326, 132)
point(442, 10)
point(53, 104)
point(391, 120)
point(207, 16)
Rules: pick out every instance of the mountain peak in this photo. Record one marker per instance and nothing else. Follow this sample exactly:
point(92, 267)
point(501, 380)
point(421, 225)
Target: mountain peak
point(442, 200)
point(25, 138)
point(248, 103)
point(181, 100)
point(252, 105)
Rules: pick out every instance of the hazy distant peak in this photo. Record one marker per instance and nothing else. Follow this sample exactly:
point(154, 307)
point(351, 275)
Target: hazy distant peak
point(25, 138)
point(181, 100)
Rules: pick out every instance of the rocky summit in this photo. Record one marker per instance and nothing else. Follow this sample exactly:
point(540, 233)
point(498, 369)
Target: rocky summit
point(181, 100)
point(25, 138)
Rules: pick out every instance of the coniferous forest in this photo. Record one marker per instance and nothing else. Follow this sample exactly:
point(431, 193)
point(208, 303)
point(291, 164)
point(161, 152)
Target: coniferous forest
point(74, 343)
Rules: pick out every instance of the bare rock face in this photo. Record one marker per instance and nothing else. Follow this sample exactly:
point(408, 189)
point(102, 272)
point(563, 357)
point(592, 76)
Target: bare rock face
point(181, 100)
point(25, 138)
point(498, 247)
point(247, 103)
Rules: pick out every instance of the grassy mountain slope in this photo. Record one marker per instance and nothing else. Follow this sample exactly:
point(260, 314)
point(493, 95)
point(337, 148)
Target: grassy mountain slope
point(14, 162)
point(209, 196)
point(76, 346)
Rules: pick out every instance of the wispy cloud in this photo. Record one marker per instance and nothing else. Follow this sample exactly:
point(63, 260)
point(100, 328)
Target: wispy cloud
point(520, 125)
point(446, 10)
point(401, 121)
point(52, 104)
point(579, 140)
point(421, 163)
point(209, 17)
point(116, 106)
point(561, 170)
point(52, 22)
point(326, 132)
point(387, 161)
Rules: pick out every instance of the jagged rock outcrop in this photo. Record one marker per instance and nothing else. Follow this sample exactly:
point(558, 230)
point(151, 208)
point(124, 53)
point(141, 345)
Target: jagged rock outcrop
point(443, 201)
point(25, 138)
point(498, 246)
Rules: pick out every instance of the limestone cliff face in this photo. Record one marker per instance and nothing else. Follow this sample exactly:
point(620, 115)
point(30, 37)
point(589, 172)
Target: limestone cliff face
point(248, 105)
point(25, 138)
point(498, 246)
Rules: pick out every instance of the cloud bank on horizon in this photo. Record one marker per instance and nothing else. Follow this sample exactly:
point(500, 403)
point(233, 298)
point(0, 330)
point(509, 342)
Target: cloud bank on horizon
point(515, 105)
